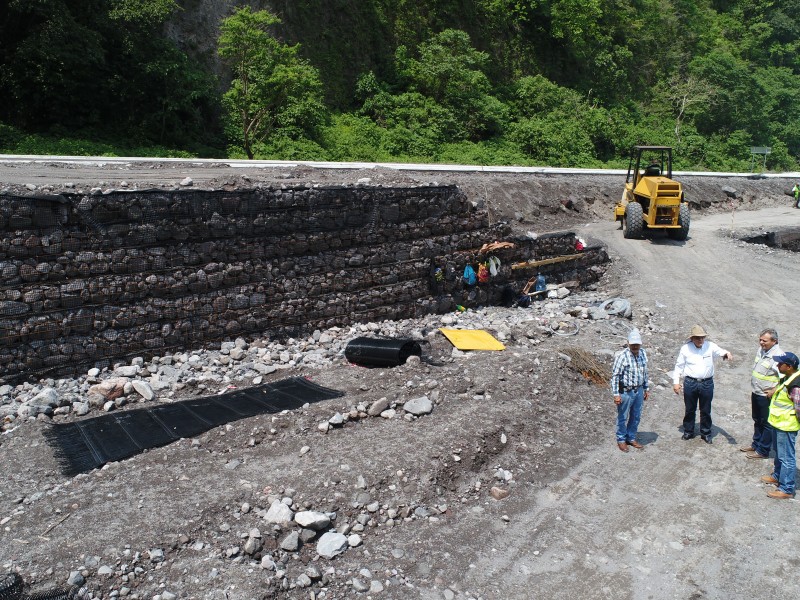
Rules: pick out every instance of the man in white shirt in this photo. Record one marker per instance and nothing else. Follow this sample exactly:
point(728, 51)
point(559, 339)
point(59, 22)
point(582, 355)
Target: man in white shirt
point(696, 364)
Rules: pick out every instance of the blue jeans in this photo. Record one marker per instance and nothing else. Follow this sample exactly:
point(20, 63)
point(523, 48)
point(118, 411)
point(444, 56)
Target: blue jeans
point(697, 393)
point(629, 411)
point(785, 463)
point(762, 430)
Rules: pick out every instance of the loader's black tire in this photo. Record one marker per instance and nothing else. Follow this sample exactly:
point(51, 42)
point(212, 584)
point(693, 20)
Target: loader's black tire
point(633, 222)
point(683, 220)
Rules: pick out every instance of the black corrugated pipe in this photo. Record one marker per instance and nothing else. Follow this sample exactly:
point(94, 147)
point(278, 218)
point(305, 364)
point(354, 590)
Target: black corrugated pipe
point(381, 352)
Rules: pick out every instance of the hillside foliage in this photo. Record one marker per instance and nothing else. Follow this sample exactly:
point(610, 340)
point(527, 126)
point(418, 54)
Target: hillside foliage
point(504, 82)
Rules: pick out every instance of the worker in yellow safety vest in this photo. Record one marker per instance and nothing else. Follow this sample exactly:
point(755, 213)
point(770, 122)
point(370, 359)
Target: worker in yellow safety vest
point(783, 410)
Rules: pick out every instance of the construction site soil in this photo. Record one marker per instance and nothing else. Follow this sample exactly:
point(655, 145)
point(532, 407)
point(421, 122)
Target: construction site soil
point(512, 486)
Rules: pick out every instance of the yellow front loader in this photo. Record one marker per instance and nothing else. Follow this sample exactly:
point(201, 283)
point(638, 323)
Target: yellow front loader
point(651, 199)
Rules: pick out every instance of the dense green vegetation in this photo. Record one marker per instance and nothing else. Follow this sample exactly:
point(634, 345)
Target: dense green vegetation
point(524, 82)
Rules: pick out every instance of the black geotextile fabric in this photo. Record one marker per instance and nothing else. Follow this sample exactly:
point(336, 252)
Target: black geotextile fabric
point(85, 445)
point(12, 587)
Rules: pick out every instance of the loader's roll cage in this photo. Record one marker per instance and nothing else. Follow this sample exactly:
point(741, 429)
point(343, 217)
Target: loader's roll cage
point(660, 157)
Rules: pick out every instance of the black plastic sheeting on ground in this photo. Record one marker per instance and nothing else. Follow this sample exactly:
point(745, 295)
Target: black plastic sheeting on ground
point(381, 352)
point(89, 444)
point(12, 587)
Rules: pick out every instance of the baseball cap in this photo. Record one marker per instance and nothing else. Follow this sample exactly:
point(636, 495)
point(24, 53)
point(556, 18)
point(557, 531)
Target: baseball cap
point(787, 358)
point(634, 337)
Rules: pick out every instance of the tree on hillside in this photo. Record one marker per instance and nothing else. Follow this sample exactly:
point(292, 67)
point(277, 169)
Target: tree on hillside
point(450, 71)
point(685, 94)
point(274, 92)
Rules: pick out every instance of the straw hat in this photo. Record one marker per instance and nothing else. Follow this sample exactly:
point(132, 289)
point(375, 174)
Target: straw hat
point(697, 331)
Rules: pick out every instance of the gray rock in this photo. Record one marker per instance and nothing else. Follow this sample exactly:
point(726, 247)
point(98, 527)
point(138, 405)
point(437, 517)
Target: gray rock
point(359, 585)
point(9, 410)
point(279, 514)
point(144, 389)
point(26, 410)
point(264, 369)
point(375, 587)
point(306, 535)
point(127, 371)
point(311, 519)
point(47, 397)
point(252, 545)
point(156, 555)
point(291, 543)
point(331, 544)
point(75, 578)
point(378, 407)
point(418, 406)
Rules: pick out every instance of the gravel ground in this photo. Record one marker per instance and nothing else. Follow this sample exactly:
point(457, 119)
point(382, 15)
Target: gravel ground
point(509, 486)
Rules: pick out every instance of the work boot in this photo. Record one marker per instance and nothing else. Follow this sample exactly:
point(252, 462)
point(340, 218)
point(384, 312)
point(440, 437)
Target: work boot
point(779, 495)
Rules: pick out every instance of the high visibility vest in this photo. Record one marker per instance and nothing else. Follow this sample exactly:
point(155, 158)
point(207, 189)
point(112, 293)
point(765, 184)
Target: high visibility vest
point(781, 408)
point(766, 373)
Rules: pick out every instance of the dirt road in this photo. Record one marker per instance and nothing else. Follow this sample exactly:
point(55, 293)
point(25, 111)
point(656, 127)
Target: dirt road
point(679, 519)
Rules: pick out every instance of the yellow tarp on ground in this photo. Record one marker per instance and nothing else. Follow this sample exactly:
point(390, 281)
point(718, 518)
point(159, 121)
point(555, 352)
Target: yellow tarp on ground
point(472, 339)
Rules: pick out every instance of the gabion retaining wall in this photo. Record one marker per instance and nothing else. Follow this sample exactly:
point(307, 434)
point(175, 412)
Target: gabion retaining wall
point(85, 280)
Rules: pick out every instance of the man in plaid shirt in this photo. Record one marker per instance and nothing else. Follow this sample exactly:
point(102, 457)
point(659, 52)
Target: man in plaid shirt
point(629, 387)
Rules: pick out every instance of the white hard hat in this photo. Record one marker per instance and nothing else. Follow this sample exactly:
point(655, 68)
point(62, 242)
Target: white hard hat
point(634, 337)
